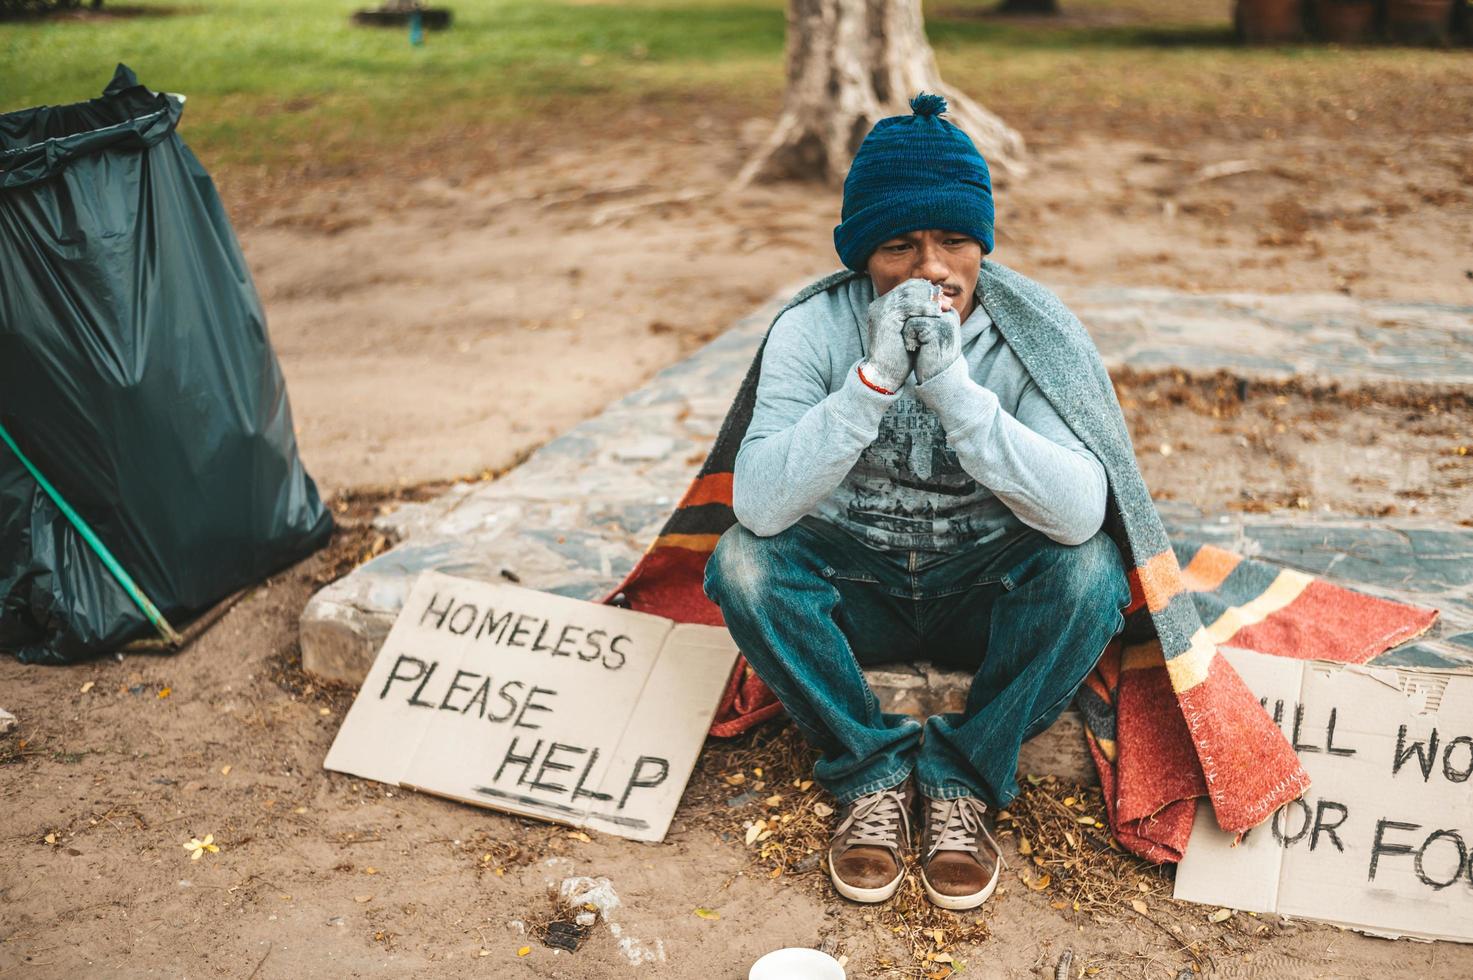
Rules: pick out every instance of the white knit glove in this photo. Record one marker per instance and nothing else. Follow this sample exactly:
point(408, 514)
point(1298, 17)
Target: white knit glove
point(937, 342)
point(889, 362)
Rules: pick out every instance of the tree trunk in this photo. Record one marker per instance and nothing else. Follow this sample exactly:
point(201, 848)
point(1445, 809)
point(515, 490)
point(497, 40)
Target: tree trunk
point(851, 63)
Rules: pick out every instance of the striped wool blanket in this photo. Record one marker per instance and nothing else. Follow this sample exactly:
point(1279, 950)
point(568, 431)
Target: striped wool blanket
point(1168, 719)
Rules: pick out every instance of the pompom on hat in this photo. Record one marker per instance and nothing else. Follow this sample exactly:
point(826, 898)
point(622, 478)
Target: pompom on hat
point(912, 173)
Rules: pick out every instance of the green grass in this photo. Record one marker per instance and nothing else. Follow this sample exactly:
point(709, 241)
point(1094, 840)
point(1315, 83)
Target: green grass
point(265, 75)
point(277, 80)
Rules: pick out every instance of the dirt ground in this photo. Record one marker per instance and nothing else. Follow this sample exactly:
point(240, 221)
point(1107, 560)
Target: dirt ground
point(446, 327)
point(443, 328)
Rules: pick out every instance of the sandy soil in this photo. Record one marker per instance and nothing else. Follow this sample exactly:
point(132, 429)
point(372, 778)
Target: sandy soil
point(444, 329)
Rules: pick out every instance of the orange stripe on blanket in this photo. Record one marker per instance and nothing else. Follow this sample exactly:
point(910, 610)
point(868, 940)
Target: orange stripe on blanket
point(1108, 668)
point(692, 542)
point(1097, 685)
point(713, 488)
point(1209, 567)
point(1137, 597)
point(1160, 579)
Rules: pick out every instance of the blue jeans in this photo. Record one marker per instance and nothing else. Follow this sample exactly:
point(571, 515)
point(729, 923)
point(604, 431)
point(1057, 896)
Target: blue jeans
point(812, 605)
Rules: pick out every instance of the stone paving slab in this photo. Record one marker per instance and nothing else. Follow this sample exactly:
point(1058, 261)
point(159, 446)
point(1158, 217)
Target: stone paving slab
point(1315, 336)
point(575, 517)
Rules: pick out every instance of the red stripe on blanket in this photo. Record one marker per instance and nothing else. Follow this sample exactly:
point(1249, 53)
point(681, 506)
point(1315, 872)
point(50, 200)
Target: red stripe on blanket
point(1157, 765)
point(1250, 769)
point(668, 582)
point(1327, 622)
point(1158, 838)
point(714, 488)
point(745, 702)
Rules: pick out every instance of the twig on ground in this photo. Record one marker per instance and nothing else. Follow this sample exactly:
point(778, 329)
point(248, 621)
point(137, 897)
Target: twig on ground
point(262, 962)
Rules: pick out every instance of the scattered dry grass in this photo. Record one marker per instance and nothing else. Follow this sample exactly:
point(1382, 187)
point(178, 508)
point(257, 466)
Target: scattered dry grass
point(1065, 850)
point(756, 792)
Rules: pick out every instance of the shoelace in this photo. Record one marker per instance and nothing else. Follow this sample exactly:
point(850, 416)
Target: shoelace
point(876, 819)
point(955, 825)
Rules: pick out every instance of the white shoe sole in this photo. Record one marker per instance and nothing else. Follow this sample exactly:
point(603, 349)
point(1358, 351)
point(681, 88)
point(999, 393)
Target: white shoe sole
point(867, 895)
point(960, 903)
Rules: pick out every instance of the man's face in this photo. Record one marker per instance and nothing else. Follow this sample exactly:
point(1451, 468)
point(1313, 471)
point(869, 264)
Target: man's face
point(948, 259)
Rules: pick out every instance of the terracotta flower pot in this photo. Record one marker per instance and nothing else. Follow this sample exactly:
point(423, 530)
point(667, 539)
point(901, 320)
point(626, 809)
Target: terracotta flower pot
point(1268, 20)
point(1419, 21)
point(1345, 21)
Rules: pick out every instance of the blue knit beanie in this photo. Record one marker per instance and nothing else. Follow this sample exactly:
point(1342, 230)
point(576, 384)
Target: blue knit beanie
point(912, 173)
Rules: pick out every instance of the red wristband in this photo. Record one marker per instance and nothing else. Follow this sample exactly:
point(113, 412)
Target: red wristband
point(859, 369)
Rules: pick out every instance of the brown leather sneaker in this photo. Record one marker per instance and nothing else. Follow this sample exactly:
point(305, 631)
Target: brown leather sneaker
point(867, 852)
point(960, 861)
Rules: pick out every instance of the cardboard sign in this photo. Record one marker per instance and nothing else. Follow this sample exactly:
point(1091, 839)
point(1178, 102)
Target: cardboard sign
point(1383, 840)
point(537, 704)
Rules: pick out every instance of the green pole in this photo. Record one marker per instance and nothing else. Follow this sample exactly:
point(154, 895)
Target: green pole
point(124, 579)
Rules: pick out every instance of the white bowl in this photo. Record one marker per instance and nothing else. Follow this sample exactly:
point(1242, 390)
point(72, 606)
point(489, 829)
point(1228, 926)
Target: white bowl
point(796, 963)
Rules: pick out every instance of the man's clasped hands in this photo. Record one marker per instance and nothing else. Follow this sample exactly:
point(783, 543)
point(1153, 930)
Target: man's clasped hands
point(911, 328)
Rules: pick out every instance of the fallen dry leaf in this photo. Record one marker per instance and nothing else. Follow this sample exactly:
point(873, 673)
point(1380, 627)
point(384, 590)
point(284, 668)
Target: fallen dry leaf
point(166, 692)
point(1138, 905)
point(754, 831)
point(361, 899)
point(88, 686)
point(524, 950)
point(823, 810)
point(1221, 915)
point(580, 835)
point(706, 913)
point(198, 847)
point(225, 770)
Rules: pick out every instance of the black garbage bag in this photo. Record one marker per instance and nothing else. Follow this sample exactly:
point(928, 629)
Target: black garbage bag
point(137, 377)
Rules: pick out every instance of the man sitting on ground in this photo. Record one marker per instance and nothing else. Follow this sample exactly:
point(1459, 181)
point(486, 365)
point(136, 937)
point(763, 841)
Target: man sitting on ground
point(904, 491)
